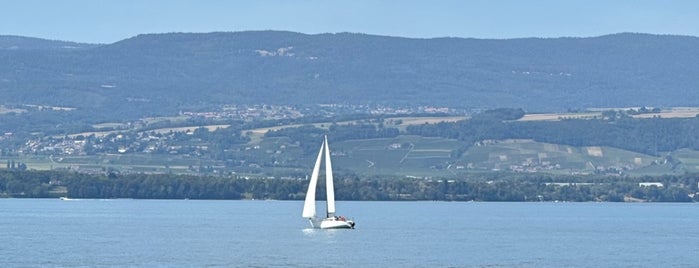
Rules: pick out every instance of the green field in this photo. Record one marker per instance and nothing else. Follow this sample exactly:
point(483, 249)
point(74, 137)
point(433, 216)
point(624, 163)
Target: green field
point(528, 156)
point(404, 155)
point(412, 156)
point(431, 157)
point(121, 162)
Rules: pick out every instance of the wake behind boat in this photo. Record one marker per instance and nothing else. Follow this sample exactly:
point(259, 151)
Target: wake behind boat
point(309, 206)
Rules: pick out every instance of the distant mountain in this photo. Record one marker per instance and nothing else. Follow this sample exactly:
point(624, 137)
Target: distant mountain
point(155, 74)
point(11, 42)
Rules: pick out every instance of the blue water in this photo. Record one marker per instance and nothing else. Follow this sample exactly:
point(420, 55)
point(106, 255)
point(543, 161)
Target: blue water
point(178, 233)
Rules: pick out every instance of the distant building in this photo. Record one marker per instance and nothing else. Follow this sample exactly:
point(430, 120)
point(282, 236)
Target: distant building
point(649, 184)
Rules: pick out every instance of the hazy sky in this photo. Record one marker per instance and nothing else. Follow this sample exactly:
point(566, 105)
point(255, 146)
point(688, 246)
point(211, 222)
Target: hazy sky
point(107, 21)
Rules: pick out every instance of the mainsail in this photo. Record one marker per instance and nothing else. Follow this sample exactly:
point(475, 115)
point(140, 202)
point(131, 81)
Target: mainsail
point(329, 187)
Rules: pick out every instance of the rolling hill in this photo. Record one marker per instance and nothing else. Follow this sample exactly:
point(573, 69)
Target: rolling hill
point(161, 74)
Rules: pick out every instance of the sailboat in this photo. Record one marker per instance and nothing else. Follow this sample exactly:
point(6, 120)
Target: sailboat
point(331, 221)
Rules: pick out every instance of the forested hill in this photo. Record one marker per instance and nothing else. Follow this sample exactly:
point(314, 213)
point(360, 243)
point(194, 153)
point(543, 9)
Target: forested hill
point(11, 42)
point(156, 74)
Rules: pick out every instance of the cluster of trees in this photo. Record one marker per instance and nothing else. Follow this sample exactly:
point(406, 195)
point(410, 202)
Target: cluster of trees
point(643, 110)
point(495, 187)
point(45, 122)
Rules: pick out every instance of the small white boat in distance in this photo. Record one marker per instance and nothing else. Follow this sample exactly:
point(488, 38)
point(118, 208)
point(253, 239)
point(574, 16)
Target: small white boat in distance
point(309, 206)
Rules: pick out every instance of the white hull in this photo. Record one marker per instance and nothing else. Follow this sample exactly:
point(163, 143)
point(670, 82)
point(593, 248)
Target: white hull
point(336, 224)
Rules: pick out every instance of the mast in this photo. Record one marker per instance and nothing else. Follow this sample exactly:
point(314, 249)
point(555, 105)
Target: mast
point(330, 188)
point(309, 205)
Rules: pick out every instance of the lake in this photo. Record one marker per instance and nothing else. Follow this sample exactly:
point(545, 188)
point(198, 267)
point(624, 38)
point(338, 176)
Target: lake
point(189, 233)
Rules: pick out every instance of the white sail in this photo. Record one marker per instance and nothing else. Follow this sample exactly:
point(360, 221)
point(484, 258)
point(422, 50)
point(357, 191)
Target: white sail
point(329, 187)
point(309, 206)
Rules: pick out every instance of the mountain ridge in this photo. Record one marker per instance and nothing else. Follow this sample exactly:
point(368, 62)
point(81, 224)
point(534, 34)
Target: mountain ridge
point(168, 72)
point(16, 42)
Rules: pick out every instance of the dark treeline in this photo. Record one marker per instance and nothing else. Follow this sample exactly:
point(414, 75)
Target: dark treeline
point(496, 187)
point(650, 136)
point(43, 122)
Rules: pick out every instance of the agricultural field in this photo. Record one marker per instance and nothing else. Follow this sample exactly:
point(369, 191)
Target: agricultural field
point(530, 156)
point(129, 163)
point(411, 121)
point(110, 126)
point(431, 157)
point(674, 112)
point(559, 116)
point(689, 159)
point(404, 155)
point(256, 135)
point(411, 156)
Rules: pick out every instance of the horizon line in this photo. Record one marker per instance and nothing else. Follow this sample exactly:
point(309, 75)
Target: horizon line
point(344, 32)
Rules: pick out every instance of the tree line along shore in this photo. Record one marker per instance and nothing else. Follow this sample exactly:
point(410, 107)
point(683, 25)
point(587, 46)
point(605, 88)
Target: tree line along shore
point(485, 187)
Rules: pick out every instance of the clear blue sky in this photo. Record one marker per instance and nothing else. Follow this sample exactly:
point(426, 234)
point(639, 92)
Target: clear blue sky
point(107, 21)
